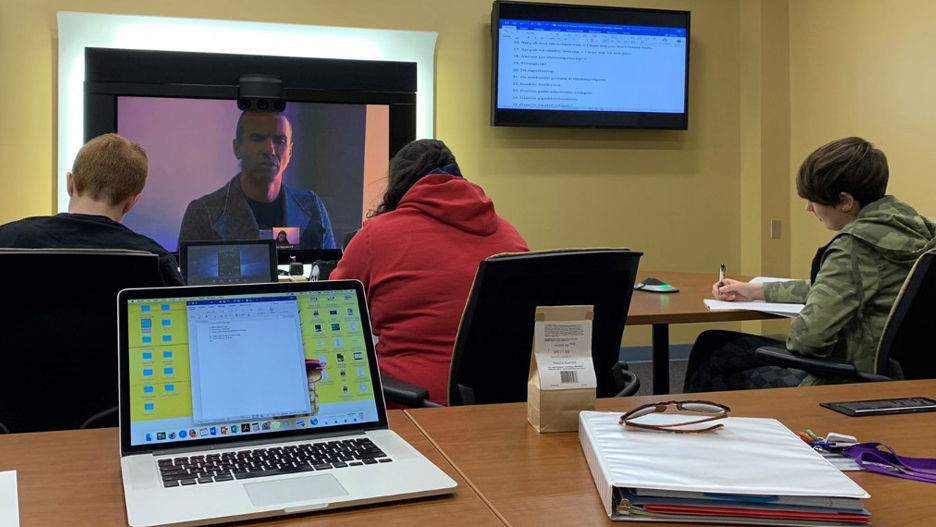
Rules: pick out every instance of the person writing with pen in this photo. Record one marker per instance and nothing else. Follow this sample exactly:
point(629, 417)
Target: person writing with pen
point(855, 279)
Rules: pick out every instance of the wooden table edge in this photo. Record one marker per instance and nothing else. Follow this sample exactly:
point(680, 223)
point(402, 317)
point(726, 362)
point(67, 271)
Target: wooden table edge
point(474, 488)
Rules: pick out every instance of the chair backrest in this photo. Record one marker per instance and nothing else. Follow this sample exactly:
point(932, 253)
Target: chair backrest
point(906, 347)
point(58, 333)
point(491, 357)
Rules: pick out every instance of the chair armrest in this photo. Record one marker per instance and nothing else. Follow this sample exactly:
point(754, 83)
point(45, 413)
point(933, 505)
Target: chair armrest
point(814, 365)
point(105, 419)
point(626, 380)
point(404, 393)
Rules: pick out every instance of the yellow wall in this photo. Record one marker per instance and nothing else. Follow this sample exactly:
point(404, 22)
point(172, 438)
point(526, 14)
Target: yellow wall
point(770, 81)
point(670, 194)
point(866, 68)
point(765, 143)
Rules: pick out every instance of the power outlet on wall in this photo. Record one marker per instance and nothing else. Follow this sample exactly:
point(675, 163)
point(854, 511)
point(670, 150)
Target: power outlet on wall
point(774, 229)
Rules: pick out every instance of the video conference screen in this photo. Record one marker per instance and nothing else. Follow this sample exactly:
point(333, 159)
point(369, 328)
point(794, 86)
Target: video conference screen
point(303, 178)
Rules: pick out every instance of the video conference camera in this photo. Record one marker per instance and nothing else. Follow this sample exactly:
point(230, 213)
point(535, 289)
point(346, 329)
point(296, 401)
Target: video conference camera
point(262, 93)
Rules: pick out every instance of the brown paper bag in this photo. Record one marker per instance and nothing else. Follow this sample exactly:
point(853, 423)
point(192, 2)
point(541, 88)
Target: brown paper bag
point(562, 379)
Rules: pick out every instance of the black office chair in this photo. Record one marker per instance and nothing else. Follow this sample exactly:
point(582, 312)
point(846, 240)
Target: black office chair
point(905, 350)
point(58, 334)
point(491, 357)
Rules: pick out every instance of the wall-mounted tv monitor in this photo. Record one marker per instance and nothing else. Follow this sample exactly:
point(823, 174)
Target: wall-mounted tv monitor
point(563, 65)
point(336, 136)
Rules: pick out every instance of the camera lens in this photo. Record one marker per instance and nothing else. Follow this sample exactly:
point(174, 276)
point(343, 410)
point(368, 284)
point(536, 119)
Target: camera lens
point(243, 104)
point(279, 105)
point(263, 104)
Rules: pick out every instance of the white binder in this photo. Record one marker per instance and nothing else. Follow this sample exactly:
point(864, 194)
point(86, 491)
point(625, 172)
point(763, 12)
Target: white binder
point(753, 459)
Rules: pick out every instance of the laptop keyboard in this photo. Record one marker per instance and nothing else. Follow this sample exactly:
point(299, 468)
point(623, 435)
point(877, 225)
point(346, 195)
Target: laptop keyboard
point(275, 461)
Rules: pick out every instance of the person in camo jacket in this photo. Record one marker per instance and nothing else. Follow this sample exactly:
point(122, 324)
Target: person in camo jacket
point(855, 279)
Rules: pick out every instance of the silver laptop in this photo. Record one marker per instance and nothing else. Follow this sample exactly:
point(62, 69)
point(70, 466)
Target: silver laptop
point(247, 401)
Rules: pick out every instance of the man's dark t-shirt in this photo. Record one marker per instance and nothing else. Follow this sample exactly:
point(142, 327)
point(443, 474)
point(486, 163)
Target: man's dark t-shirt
point(268, 215)
point(83, 231)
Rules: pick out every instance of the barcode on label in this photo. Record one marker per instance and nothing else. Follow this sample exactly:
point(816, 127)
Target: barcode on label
point(567, 377)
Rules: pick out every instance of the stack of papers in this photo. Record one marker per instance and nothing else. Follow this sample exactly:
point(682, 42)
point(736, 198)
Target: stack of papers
point(781, 310)
point(750, 472)
point(9, 505)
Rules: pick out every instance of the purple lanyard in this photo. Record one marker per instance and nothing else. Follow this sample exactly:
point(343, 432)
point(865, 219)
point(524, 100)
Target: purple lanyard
point(871, 457)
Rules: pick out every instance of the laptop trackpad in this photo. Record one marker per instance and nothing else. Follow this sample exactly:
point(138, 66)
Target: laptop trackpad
point(293, 490)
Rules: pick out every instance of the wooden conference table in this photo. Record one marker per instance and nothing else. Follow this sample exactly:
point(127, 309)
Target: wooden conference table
point(507, 473)
point(533, 479)
point(660, 310)
point(73, 478)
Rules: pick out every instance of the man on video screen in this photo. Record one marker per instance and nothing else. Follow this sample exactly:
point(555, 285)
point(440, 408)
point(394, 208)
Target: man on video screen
point(256, 199)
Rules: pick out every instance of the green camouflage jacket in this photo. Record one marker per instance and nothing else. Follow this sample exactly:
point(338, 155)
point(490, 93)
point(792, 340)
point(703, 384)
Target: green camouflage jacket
point(860, 274)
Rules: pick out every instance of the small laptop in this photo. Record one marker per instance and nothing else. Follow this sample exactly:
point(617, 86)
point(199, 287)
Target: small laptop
point(248, 401)
point(228, 262)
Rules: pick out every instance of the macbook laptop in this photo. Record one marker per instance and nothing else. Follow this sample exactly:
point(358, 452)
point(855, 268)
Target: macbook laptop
point(228, 262)
point(247, 401)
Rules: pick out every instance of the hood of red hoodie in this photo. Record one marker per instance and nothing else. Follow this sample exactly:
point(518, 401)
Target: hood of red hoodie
point(452, 200)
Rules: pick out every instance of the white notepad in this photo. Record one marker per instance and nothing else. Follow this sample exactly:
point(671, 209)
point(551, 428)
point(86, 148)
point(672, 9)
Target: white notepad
point(775, 308)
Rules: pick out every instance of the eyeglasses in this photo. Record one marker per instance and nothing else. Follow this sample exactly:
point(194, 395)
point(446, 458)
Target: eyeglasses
point(698, 411)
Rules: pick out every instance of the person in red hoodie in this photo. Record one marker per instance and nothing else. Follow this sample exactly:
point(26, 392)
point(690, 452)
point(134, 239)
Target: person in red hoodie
point(417, 256)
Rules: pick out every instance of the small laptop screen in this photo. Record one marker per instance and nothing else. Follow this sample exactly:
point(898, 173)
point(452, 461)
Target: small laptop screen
point(248, 364)
point(229, 263)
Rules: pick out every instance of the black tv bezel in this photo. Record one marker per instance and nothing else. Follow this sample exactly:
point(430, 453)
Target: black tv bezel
point(112, 72)
point(595, 15)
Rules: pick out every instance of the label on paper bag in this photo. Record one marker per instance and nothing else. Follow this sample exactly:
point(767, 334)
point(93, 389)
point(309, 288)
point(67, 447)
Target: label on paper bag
point(562, 379)
point(563, 354)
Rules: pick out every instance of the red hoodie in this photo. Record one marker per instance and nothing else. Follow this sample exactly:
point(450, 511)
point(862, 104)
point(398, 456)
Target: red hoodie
point(417, 264)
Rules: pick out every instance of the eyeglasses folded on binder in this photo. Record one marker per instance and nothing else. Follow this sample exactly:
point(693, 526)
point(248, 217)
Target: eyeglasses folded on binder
point(698, 415)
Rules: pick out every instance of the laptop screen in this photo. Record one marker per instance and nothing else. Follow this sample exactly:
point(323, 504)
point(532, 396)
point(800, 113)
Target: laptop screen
point(247, 262)
point(210, 365)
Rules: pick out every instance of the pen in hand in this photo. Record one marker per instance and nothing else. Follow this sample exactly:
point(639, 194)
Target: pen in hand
point(721, 275)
